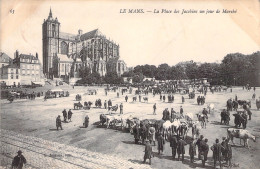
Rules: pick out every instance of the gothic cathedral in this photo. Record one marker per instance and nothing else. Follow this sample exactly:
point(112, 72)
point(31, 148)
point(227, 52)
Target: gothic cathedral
point(64, 54)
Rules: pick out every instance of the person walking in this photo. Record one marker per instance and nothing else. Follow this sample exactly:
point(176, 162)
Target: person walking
point(148, 152)
point(64, 112)
point(121, 108)
point(58, 123)
point(154, 109)
point(183, 100)
point(217, 149)
point(140, 98)
point(18, 161)
point(126, 98)
point(173, 144)
point(181, 149)
point(69, 115)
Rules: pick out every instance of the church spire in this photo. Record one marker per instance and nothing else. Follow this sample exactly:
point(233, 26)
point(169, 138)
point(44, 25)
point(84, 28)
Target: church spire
point(50, 14)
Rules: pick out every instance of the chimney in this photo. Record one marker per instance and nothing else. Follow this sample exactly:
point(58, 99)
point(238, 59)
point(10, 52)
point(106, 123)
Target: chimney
point(16, 53)
point(80, 32)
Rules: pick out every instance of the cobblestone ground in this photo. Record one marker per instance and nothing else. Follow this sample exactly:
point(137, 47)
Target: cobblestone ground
point(41, 153)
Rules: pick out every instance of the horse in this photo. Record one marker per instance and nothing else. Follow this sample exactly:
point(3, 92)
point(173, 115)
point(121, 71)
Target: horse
point(167, 127)
point(87, 105)
point(211, 107)
point(244, 102)
point(235, 105)
point(195, 129)
point(229, 105)
point(145, 99)
point(225, 117)
point(183, 129)
point(114, 108)
point(241, 134)
point(106, 119)
point(78, 105)
point(239, 120)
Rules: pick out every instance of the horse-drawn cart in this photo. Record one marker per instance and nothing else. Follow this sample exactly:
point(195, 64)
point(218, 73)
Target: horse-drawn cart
point(54, 93)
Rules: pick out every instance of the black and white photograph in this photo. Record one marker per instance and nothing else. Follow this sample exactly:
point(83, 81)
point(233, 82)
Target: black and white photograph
point(130, 84)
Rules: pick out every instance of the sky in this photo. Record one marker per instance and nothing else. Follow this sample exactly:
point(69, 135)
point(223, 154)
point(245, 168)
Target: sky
point(144, 38)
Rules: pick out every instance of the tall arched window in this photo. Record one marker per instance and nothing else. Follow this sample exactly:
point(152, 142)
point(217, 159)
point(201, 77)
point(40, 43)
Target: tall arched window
point(53, 29)
point(64, 48)
point(119, 66)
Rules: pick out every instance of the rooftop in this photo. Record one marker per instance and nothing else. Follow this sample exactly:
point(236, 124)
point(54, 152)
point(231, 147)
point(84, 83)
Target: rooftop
point(4, 58)
point(11, 66)
point(25, 56)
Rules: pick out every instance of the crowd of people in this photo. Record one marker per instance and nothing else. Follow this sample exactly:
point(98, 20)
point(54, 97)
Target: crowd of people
point(222, 152)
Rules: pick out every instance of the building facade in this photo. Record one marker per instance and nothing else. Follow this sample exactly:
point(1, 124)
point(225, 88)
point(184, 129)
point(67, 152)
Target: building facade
point(5, 59)
point(30, 68)
point(64, 51)
point(10, 75)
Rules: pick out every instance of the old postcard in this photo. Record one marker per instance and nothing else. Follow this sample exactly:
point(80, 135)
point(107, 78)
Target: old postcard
point(130, 84)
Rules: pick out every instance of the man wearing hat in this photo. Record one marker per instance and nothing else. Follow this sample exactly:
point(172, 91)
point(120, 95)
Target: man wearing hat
point(69, 115)
point(181, 149)
point(121, 108)
point(205, 112)
point(225, 147)
point(204, 151)
point(217, 149)
point(181, 110)
point(192, 150)
point(64, 112)
point(198, 143)
point(148, 152)
point(161, 143)
point(18, 161)
point(58, 122)
point(173, 144)
point(86, 121)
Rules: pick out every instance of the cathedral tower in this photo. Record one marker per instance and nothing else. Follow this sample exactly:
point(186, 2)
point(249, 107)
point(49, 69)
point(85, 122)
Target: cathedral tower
point(50, 43)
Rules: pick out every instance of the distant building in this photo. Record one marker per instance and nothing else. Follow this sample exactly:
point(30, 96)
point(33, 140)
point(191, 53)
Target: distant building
point(64, 53)
point(30, 68)
point(4, 59)
point(10, 75)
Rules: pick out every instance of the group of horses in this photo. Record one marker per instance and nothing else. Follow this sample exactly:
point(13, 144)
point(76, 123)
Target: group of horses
point(233, 105)
point(86, 106)
point(179, 126)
